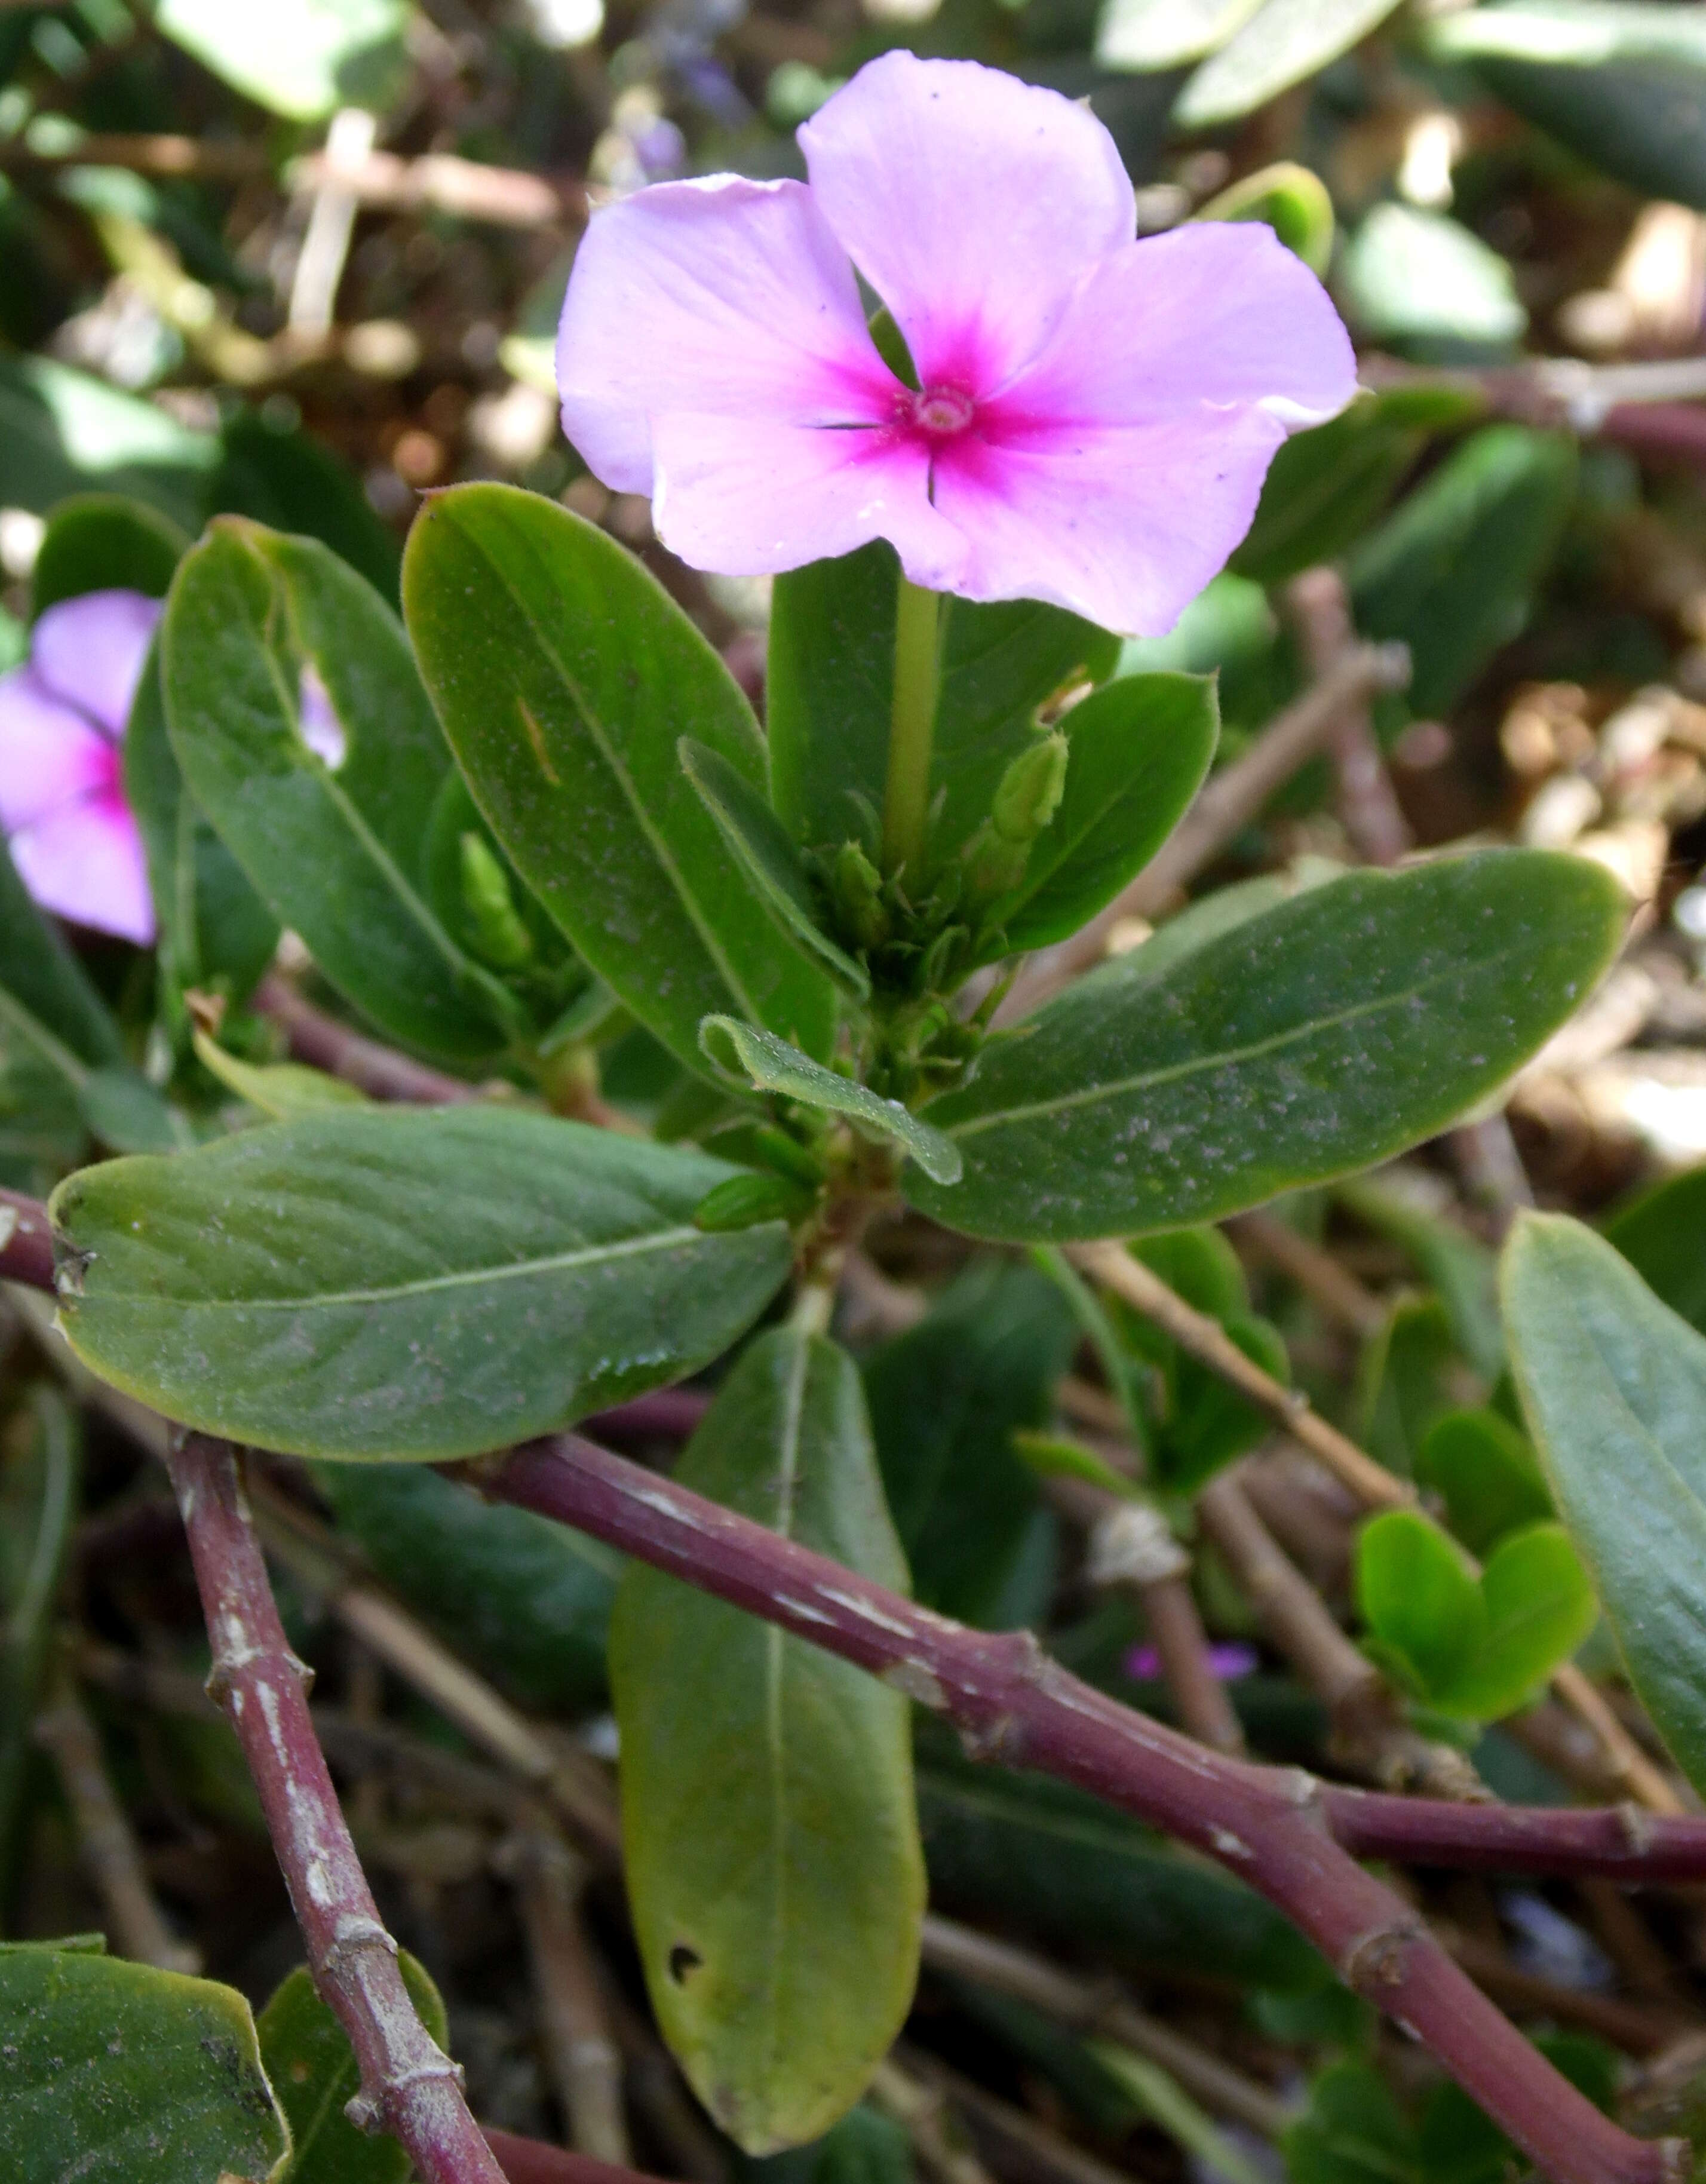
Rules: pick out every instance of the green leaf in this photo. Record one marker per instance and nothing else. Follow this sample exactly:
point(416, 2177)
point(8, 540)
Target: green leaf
point(1408, 1376)
point(830, 689)
point(1613, 1386)
point(1429, 285)
point(1540, 1607)
point(329, 848)
point(1326, 486)
point(404, 1284)
point(1487, 1474)
point(946, 1397)
point(1418, 1597)
point(1453, 570)
point(766, 853)
point(46, 999)
point(767, 1817)
point(565, 676)
point(1353, 2132)
point(748, 1055)
point(1283, 42)
point(1292, 200)
point(63, 432)
point(281, 1090)
point(287, 479)
point(1143, 35)
point(527, 1601)
point(1162, 2100)
point(98, 542)
point(298, 58)
point(109, 2071)
point(1623, 85)
point(1663, 1235)
point(313, 2072)
point(1400, 1205)
point(1062, 1866)
point(38, 1508)
point(1138, 751)
point(1354, 1020)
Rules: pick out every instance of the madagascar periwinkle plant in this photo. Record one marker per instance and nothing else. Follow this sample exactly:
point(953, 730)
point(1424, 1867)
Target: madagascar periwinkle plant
point(674, 1011)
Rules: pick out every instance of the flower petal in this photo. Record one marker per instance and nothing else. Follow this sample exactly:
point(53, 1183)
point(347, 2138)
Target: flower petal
point(91, 650)
point(1218, 312)
point(725, 298)
point(49, 753)
point(1124, 525)
point(745, 498)
point(971, 202)
point(85, 863)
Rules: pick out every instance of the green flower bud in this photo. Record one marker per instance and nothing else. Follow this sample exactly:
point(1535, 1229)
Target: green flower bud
point(857, 886)
point(1030, 790)
point(499, 935)
point(743, 1201)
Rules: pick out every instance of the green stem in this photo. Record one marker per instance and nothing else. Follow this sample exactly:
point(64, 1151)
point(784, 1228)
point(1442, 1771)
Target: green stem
point(912, 726)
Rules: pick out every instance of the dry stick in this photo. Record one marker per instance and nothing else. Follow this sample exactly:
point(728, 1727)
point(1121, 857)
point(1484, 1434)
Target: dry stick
point(585, 2062)
point(111, 1856)
point(1014, 2132)
point(1009, 1700)
point(1375, 1487)
point(1098, 2009)
point(1232, 799)
point(1320, 610)
point(1317, 1273)
point(408, 2085)
point(1626, 2025)
point(1369, 1735)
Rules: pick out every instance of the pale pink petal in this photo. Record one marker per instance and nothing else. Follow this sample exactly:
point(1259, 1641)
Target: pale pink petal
point(85, 863)
point(722, 297)
point(91, 650)
point(743, 497)
point(49, 754)
point(1124, 525)
point(1217, 313)
point(971, 202)
point(317, 721)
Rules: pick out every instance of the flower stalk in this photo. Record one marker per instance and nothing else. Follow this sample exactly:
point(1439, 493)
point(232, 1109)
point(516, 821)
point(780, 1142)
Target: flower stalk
point(911, 731)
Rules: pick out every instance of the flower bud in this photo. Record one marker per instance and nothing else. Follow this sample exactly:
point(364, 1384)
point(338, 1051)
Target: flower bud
point(1030, 790)
point(499, 935)
point(858, 889)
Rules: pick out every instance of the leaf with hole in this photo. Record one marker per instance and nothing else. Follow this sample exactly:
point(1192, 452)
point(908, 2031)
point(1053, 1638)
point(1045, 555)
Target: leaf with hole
point(325, 815)
point(415, 1284)
point(565, 677)
point(772, 1844)
point(1306, 1043)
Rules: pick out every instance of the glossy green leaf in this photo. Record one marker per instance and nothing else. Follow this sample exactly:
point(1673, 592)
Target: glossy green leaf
point(1453, 570)
point(830, 689)
point(566, 677)
point(1428, 285)
point(1138, 751)
point(100, 541)
point(313, 2071)
point(1283, 42)
point(214, 932)
point(1663, 1235)
point(1352, 2133)
point(1487, 1475)
point(1229, 631)
point(38, 1508)
point(298, 58)
point(1623, 85)
point(1326, 486)
point(1476, 1647)
point(115, 2073)
point(404, 1283)
point(772, 1844)
point(527, 1601)
point(772, 1065)
point(281, 1090)
point(330, 848)
point(946, 1397)
point(1613, 1386)
point(1326, 1035)
point(1292, 200)
point(766, 853)
point(1159, 33)
point(1070, 1870)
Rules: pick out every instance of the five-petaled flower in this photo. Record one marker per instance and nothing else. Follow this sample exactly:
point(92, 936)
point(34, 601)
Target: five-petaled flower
point(61, 791)
point(1094, 415)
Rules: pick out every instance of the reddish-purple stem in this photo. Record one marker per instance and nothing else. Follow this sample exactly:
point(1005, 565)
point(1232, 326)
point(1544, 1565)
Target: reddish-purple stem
point(409, 2086)
point(379, 1071)
point(1010, 1701)
point(26, 1241)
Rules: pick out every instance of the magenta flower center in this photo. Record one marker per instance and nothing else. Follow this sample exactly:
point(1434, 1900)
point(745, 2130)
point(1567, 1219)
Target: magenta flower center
point(939, 412)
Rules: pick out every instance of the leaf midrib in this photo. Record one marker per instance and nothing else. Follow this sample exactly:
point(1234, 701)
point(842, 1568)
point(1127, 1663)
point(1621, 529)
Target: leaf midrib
point(1119, 1088)
point(468, 1277)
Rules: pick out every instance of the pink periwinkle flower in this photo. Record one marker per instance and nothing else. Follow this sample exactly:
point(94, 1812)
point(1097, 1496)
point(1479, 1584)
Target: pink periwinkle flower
point(61, 791)
point(1095, 413)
